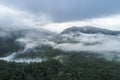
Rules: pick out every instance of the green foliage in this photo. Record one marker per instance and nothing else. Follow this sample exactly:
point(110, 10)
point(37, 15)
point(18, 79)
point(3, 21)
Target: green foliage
point(74, 67)
point(41, 52)
point(8, 46)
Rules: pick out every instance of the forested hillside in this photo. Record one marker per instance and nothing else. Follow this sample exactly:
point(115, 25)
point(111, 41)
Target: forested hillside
point(71, 67)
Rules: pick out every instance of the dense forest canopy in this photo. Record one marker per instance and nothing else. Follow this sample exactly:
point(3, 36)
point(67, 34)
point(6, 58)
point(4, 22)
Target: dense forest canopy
point(74, 66)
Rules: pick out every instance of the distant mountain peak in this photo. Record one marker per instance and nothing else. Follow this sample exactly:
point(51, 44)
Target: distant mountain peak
point(90, 30)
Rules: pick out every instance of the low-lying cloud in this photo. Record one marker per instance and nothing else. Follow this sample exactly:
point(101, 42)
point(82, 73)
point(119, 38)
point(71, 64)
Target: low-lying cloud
point(93, 42)
point(97, 43)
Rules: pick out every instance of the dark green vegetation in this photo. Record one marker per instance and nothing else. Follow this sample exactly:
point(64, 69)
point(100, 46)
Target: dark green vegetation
point(40, 52)
point(70, 67)
point(8, 46)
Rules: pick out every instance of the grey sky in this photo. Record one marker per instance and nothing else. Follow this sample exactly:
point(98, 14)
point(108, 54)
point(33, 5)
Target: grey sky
point(66, 10)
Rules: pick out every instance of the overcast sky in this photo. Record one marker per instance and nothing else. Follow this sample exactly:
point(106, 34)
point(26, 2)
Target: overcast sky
point(57, 15)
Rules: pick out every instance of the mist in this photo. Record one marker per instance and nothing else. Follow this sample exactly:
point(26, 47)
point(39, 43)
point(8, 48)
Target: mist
point(106, 45)
point(93, 42)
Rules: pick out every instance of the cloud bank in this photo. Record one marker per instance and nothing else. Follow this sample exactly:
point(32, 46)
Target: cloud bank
point(27, 14)
point(13, 18)
point(67, 10)
point(106, 45)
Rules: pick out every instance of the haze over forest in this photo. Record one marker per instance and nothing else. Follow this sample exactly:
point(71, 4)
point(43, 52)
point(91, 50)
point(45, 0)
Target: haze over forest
point(59, 40)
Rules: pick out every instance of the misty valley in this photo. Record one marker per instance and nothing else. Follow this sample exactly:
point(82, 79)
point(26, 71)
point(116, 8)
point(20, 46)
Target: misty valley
point(59, 39)
point(77, 53)
point(36, 45)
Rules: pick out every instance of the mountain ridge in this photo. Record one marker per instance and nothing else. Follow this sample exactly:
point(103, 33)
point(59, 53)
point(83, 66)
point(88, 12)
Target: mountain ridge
point(90, 30)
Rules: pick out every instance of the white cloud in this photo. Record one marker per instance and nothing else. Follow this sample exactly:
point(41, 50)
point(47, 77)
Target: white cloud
point(110, 22)
point(92, 43)
point(10, 17)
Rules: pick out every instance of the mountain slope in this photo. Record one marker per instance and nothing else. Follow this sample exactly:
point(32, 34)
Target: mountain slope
point(34, 43)
point(12, 40)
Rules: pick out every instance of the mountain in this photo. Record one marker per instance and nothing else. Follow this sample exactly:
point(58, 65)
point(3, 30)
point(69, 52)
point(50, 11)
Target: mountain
point(76, 34)
point(35, 43)
point(16, 40)
point(90, 30)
